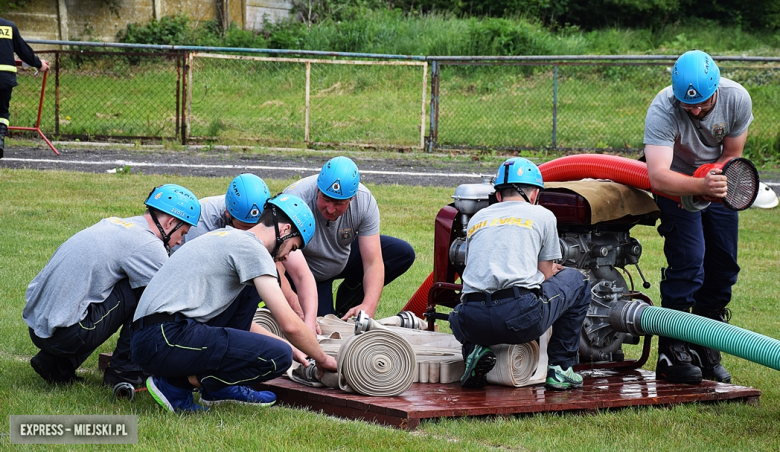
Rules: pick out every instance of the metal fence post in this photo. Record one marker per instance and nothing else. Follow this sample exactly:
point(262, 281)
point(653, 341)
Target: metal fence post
point(555, 108)
point(422, 114)
point(307, 106)
point(57, 93)
point(187, 89)
point(434, 132)
point(179, 65)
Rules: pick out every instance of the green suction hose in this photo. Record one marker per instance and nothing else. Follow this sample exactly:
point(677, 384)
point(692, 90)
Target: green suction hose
point(710, 333)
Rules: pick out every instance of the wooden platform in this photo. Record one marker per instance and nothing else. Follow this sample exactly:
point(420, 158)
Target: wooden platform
point(602, 389)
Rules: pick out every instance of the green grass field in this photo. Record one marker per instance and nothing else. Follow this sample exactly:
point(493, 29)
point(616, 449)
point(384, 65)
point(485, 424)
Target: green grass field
point(40, 210)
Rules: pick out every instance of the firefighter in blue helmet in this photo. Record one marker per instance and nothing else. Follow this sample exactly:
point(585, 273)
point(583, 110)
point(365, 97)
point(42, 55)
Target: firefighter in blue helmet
point(193, 327)
point(11, 42)
point(240, 207)
point(701, 118)
point(347, 243)
point(512, 290)
point(91, 285)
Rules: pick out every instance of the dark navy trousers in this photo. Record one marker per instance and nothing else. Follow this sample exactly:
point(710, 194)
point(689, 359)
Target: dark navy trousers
point(220, 353)
point(562, 304)
point(701, 256)
point(72, 345)
point(397, 255)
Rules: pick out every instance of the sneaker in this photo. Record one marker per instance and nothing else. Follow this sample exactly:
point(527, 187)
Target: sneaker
point(478, 363)
point(51, 370)
point(561, 380)
point(238, 394)
point(112, 377)
point(675, 362)
point(172, 398)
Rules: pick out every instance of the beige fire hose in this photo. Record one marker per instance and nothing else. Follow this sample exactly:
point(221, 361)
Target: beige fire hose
point(376, 363)
point(264, 318)
point(436, 358)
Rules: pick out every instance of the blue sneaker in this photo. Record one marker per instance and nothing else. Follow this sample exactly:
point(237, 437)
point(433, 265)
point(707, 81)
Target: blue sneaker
point(173, 399)
point(561, 380)
point(238, 394)
point(479, 362)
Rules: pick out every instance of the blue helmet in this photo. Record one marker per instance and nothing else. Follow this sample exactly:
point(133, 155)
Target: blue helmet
point(175, 201)
point(245, 198)
point(339, 178)
point(518, 170)
point(695, 77)
point(298, 212)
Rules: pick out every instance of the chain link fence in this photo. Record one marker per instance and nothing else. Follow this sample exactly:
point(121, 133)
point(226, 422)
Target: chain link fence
point(193, 96)
point(288, 101)
point(98, 95)
point(586, 106)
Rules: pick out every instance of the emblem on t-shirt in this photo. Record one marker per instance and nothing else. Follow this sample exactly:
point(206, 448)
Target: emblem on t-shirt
point(719, 130)
point(345, 234)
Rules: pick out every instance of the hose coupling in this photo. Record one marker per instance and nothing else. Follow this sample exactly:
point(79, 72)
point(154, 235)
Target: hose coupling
point(625, 316)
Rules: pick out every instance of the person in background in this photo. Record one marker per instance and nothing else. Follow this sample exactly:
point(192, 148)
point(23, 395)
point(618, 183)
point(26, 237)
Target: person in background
point(11, 42)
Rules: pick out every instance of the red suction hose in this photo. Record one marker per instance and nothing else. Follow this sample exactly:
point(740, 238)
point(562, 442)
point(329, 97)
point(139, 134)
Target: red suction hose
point(418, 304)
point(599, 166)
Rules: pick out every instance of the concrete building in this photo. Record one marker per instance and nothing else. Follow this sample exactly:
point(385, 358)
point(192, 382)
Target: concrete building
point(86, 20)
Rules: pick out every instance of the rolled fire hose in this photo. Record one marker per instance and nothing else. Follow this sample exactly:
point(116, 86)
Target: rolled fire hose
point(264, 318)
point(437, 356)
point(638, 318)
point(515, 364)
point(376, 363)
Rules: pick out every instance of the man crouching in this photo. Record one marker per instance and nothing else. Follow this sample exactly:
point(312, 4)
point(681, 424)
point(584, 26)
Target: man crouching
point(193, 326)
point(512, 290)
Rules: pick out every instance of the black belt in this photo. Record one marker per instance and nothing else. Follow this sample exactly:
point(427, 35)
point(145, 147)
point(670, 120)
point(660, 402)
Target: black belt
point(154, 319)
point(499, 294)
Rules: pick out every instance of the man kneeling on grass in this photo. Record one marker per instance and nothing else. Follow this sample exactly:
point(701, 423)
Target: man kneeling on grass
point(193, 326)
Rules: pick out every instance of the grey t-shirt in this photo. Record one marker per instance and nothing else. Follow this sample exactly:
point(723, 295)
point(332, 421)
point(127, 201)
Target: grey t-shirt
point(697, 142)
point(203, 278)
point(506, 242)
point(328, 250)
point(212, 217)
point(85, 269)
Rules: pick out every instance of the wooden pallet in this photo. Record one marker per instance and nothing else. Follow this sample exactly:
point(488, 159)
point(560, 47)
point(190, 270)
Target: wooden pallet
point(602, 389)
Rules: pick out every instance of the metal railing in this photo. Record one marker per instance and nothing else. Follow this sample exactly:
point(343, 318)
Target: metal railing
point(304, 98)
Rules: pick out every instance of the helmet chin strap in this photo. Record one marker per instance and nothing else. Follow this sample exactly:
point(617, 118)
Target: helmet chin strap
point(280, 240)
point(522, 193)
point(165, 237)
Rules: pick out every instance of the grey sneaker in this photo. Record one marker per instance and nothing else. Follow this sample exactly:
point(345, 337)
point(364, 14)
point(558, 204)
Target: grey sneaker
point(561, 380)
point(479, 362)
